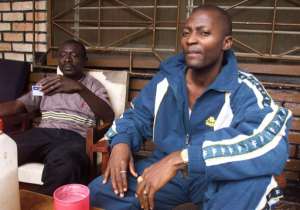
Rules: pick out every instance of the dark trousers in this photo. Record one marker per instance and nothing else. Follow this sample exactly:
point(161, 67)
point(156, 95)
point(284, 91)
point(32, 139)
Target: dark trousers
point(62, 151)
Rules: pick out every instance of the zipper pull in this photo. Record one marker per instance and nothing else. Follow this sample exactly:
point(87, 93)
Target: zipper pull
point(187, 139)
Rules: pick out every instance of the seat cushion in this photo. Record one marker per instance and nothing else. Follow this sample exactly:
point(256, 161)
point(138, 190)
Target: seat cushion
point(31, 173)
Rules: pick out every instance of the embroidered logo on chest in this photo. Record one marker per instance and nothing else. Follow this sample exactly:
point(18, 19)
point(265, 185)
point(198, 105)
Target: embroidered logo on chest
point(210, 122)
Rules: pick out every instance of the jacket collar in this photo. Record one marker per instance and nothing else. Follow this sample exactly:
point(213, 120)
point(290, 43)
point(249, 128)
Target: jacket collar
point(227, 79)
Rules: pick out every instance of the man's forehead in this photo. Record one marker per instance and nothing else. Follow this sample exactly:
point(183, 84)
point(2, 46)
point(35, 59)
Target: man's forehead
point(70, 47)
point(203, 18)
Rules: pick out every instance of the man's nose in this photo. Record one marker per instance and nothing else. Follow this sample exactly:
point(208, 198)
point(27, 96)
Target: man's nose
point(192, 39)
point(68, 57)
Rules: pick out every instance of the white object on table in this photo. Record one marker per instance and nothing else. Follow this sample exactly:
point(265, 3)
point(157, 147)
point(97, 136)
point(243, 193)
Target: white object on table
point(9, 185)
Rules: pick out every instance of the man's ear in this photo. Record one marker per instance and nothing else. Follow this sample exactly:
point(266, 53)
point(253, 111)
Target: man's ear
point(227, 42)
point(85, 60)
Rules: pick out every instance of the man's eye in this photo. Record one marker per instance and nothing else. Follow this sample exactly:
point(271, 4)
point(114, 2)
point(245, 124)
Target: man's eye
point(185, 33)
point(74, 55)
point(205, 33)
point(62, 54)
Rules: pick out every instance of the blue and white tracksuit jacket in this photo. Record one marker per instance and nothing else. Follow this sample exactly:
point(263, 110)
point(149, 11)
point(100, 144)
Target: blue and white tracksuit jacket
point(235, 131)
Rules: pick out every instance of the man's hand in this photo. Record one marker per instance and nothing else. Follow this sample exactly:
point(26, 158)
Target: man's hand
point(120, 160)
point(155, 177)
point(59, 84)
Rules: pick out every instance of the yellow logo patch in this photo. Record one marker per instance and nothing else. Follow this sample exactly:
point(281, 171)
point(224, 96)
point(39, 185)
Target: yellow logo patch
point(210, 122)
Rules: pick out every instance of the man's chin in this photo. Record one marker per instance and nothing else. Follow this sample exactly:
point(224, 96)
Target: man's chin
point(194, 65)
point(68, 71)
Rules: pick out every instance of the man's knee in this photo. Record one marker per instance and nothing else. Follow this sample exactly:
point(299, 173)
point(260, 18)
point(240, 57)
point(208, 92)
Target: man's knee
point(255, 194)
point(102, 195)
point(65, 167)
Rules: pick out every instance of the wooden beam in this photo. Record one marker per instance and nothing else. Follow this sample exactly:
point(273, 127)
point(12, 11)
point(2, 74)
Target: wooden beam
point(287, 70)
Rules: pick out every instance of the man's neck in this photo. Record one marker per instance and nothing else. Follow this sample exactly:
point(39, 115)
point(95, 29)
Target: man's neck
point(197, 81)
point(202, 77)
point(77, 76)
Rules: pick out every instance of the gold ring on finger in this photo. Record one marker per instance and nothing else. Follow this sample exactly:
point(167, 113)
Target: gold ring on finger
point(123, 172)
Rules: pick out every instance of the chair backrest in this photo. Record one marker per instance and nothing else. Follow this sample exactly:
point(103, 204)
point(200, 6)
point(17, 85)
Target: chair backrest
point(116, 84)
point(13, 79)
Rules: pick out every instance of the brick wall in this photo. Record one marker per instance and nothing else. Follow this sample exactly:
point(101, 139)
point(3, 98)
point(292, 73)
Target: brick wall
point(16, 29)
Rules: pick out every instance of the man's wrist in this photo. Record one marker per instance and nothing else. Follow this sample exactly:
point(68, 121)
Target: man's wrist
point(81, 87)
point(176, 160)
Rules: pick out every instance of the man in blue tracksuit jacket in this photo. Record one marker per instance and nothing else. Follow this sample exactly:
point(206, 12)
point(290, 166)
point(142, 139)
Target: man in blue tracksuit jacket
point(205, 116)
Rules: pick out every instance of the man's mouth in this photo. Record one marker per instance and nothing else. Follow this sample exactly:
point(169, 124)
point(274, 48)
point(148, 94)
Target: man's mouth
point(193, 53)
point(68, 67)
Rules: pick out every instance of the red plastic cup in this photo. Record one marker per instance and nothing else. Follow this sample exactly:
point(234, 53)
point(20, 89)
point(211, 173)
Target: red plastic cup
point(72, 197)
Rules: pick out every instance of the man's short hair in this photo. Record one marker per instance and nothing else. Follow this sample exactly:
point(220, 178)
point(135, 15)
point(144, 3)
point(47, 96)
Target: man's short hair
point(78, 43)
point(224, 16)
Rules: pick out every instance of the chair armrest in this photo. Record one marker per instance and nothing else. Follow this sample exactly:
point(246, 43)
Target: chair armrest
point(95, 143)
point(103, 146)
point(101, 130)
point(94, 134)
point(281, 180)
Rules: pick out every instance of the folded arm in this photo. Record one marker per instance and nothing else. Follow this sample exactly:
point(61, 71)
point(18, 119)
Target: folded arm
point(256, 146)
point(61, 84)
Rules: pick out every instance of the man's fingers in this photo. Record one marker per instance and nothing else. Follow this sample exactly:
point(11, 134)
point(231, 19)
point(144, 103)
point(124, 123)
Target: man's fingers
point(139, 191)
point(49, 84)
point(145, 193)
point(49, 81)
point(106, 175)
point(51, 89)
point(119, 162)
point(123, 174)
point(114, 184)
point(151, 194)
point(132, 168)
point(144, 200)
point(146, 196)
point(146, 204)
point(119, 182)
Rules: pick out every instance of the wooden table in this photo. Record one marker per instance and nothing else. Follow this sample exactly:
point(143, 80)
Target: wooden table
point(36, 201)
